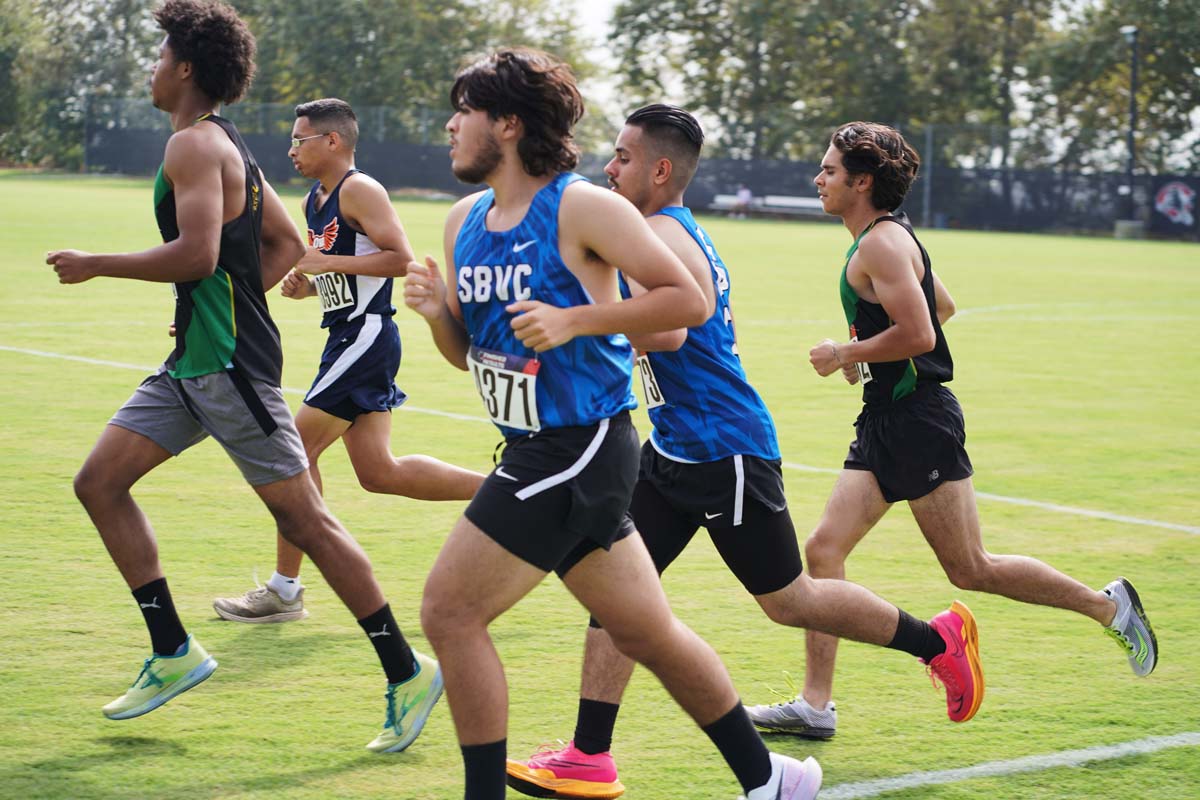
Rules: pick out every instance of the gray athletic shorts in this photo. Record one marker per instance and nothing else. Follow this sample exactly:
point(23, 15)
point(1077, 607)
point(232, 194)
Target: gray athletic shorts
point(249, 418)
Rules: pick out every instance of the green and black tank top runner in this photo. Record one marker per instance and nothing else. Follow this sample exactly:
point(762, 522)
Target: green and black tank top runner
point(888, 381)
point(222, 322)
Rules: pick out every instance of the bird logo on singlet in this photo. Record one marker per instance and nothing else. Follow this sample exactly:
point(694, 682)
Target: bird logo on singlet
point(327, 238)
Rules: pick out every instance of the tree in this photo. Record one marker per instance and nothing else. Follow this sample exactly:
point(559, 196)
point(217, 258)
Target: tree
point(1081, 95)
point(777, 75)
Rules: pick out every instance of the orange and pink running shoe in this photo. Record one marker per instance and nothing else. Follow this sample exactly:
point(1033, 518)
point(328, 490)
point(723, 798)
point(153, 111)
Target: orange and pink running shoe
point(567, 772)
point(958, 669)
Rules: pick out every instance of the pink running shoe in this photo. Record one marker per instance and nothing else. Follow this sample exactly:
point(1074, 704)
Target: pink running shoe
point(958, 669)
point(566, 772)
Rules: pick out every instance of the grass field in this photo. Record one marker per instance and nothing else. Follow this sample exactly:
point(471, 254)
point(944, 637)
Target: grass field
point(1078, 366)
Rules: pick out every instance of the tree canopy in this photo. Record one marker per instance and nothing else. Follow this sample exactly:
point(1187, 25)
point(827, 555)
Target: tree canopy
point(1006, 83)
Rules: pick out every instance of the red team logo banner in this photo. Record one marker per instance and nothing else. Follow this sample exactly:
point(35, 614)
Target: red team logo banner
point(1174, 209)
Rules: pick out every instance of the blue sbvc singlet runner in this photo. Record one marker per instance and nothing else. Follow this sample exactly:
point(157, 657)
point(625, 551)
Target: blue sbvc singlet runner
point(698, 398)
point(579, 383)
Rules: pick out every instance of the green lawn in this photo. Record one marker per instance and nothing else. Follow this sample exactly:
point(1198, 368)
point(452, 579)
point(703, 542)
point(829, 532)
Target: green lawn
point(1078, 366)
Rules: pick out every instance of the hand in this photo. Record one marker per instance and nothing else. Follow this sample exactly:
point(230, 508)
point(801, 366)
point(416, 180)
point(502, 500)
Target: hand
point(313, 262)
point(424, 289)
point(850, 373)
point(295, 285)
point(171, 330)
point(824, 358)
point(539, 326)
point(72, 266)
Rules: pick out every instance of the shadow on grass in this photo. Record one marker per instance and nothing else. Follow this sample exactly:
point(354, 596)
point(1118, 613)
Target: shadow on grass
point(90, 775)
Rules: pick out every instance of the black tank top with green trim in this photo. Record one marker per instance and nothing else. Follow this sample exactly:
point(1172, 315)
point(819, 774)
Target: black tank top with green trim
point(886, 382)
point(222, 322)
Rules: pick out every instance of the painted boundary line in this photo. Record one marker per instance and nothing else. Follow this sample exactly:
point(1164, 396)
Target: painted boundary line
point(992, 769)
point(1018, 501)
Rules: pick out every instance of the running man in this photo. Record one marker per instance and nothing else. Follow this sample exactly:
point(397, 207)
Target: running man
point(534, 317)
point(713, 460)
point(214, 210)
point(910, 434)
point(356, 247)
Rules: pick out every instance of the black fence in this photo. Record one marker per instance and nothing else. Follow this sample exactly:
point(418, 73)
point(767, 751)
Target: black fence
point(985, 199)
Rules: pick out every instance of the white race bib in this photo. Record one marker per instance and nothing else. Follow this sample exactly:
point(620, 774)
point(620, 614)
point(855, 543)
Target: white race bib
point(508, 386)
point(864, 369)
point(650, 389)
point(334, 290)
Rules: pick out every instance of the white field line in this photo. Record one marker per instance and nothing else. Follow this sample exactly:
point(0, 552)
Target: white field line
point(991, 769)
point(1019, 501)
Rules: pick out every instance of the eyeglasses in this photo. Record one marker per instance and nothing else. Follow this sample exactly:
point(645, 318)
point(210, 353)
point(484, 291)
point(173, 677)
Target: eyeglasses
point(297, 142)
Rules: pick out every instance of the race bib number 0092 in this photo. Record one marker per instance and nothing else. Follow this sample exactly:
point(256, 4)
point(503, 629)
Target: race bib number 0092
point(508, 386)
point(334, 290)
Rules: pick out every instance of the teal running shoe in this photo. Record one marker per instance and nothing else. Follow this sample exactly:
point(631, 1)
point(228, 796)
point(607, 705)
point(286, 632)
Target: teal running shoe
point(409, 705)
point(161, 678)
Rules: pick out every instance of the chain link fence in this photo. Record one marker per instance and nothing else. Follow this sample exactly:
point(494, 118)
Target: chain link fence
point(958, 186)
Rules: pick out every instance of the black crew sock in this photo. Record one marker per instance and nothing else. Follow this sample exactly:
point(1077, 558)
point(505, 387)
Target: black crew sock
point(390, 645)
point(594, 726)
point(743, 749)
point(917, 637)
point(166, 631)
point(484, 765)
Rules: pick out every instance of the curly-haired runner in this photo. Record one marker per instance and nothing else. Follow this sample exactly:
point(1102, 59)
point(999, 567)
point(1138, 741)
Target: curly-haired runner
point(910, 434)
point(226, 239)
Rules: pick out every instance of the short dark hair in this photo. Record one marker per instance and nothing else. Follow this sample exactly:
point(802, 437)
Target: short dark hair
point(677, 132)
point(869, 148)
point(211, 37)
point(539, 90)
point(331, 114)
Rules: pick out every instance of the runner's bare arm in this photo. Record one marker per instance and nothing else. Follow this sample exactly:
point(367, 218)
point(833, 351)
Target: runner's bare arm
point(943, 301)
point(887, 261)
point(600, 222)
point(684, 246)
point(193, 165)
point(282, 246)
point(366, 205)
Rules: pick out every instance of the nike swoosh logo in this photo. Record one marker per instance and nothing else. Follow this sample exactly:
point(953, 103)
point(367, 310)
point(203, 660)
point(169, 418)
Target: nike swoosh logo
point(519, 247)
point(500, 471)
point(713, 516)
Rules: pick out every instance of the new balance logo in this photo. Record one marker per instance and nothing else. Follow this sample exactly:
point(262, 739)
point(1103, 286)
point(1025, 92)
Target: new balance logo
point(384, 632)
point(933, 476)
point(152, 604)
point(519, 247)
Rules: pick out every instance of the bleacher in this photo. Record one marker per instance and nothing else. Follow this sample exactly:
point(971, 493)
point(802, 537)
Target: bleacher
point(771, 205)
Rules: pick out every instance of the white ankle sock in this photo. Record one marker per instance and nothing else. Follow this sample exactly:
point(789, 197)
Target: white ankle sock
point(287, 588)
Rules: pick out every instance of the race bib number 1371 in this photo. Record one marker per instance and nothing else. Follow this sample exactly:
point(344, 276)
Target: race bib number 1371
point(508, 386)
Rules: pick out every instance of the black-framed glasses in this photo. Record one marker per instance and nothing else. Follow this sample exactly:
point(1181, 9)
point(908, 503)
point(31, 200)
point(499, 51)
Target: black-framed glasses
point(297, 142)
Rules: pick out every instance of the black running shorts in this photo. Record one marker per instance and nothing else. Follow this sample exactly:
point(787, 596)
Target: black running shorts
point(914, 445)
point(560, 493)
point(738, 499)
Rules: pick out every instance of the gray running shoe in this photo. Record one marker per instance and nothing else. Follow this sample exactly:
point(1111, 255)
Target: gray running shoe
point(1131, 629)
point(260, 604)
point(796, 717)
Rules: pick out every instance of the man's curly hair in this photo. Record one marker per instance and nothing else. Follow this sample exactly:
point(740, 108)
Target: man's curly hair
point(869, 148)
point(537, 88)
point(211, 37)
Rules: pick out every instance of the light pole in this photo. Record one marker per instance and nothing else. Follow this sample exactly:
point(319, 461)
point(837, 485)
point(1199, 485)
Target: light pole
point(1130, 32)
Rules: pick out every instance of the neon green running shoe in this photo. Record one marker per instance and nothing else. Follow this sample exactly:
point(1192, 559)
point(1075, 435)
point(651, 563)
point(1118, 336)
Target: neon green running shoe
point(161, 678)
point(409, 704)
